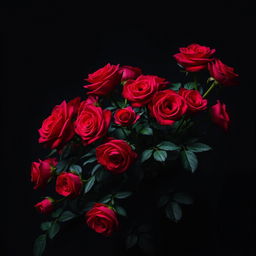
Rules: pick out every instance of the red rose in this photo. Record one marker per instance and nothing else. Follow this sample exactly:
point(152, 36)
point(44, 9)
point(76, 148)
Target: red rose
point(115, 155)
point(45, 206)
point(224, 74)
point(102, 219)
point(103, 80)
point(194, 100)
point(194, 57)
point(68, 184)
point(92, 122)
point(141, 90)
point(129, 72)
point(167, 107)
point(126, 116)
point(220, 116)
point(58, 128)
point(42, 171)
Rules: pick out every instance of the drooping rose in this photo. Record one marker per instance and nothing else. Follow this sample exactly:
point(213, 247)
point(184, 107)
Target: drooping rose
point(104, 80)
point(129, 72)
point(167, 107)
point(141, 90)
point(224, 74)
point(126, 116)
point(92, 122)
point(194, 57)
point(115, 155)
point(102, 219)
point(194, 100)
point(45, 206)
point(58, 128)
point(219, 115)
point(68, 184)
point(42, 171)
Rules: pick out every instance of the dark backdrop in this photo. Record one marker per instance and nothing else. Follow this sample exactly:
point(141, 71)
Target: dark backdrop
point(49, 53)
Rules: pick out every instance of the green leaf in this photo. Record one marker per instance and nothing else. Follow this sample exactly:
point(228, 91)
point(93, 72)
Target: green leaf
point(67, 215)
point(90, 160)
point(91, 153)
point(76, 169)
point(95, 168)
point(46, 225)
point(62, 166)
point(163, 200)
point(89, 183)
point(105, 199)
point(175, 86)
point(146, 131)
point(88, 206)
point(189, 160)
point(55, 228)
point(198, 147)
point(173, 211)
point(39, 245)
point(167, 145)
point(122, 195)
point(160, 155)
point(131, 240)
point(102, 175)
point(120, 210)
point(52, 153)
point(66, 151)
point(183, 198)
point(190, 85)
point(57, 213)
point(146, 155)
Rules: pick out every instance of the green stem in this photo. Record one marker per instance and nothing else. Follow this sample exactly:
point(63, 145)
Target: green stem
point(210, 88)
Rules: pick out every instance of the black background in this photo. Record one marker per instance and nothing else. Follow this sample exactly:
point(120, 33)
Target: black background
point(48, 54)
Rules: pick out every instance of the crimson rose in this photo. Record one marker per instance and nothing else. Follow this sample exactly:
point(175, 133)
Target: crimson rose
point(224, 74)
point(58, 128)
point(45, 206)
point(219, 115)
point(103, 80)
point(194, 100)
point(42, 171)
point(115, 155)
point(68, 184)
point(126, 116)
point(194, 57)
point(167, 107)
point(92, 122)
point(129, 72)
point(102, 219)
point(141, 90)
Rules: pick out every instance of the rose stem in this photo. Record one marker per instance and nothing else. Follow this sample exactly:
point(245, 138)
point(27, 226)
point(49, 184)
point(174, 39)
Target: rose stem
point(210, 88)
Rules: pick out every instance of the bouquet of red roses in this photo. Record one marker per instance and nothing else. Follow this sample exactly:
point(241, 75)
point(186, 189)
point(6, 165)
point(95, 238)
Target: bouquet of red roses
point(104, 146)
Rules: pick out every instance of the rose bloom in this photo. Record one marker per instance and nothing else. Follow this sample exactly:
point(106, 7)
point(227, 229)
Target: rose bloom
point(194, 57)
point(42, 171)
point(92, 122)
point(58, 128)
point(126, 116)
point(141, 90)
point(45, 206)
point(115, 155)
point(102, 219)
point(220, 116)
point(194, 100)
point(129, 72)
point(167, 107)
point(104, 80)
point(224, 74)
point(68, 184)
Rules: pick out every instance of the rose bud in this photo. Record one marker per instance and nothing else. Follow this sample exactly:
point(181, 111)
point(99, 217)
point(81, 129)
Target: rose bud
point(129, 72)
point(167, 107)
point(126, 116)
point(115, 155)
point(220, 116)
point(41, 171)
point(141, 90)
point(45, 206)
point(104, 80)
point(102, 219)
point(224, 74)
point(194, 57)
point(69, 184)
point(194, 100)
point(58, 128)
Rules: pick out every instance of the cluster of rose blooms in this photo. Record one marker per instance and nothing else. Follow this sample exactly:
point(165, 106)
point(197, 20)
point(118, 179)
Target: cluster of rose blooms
point(89, 121)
